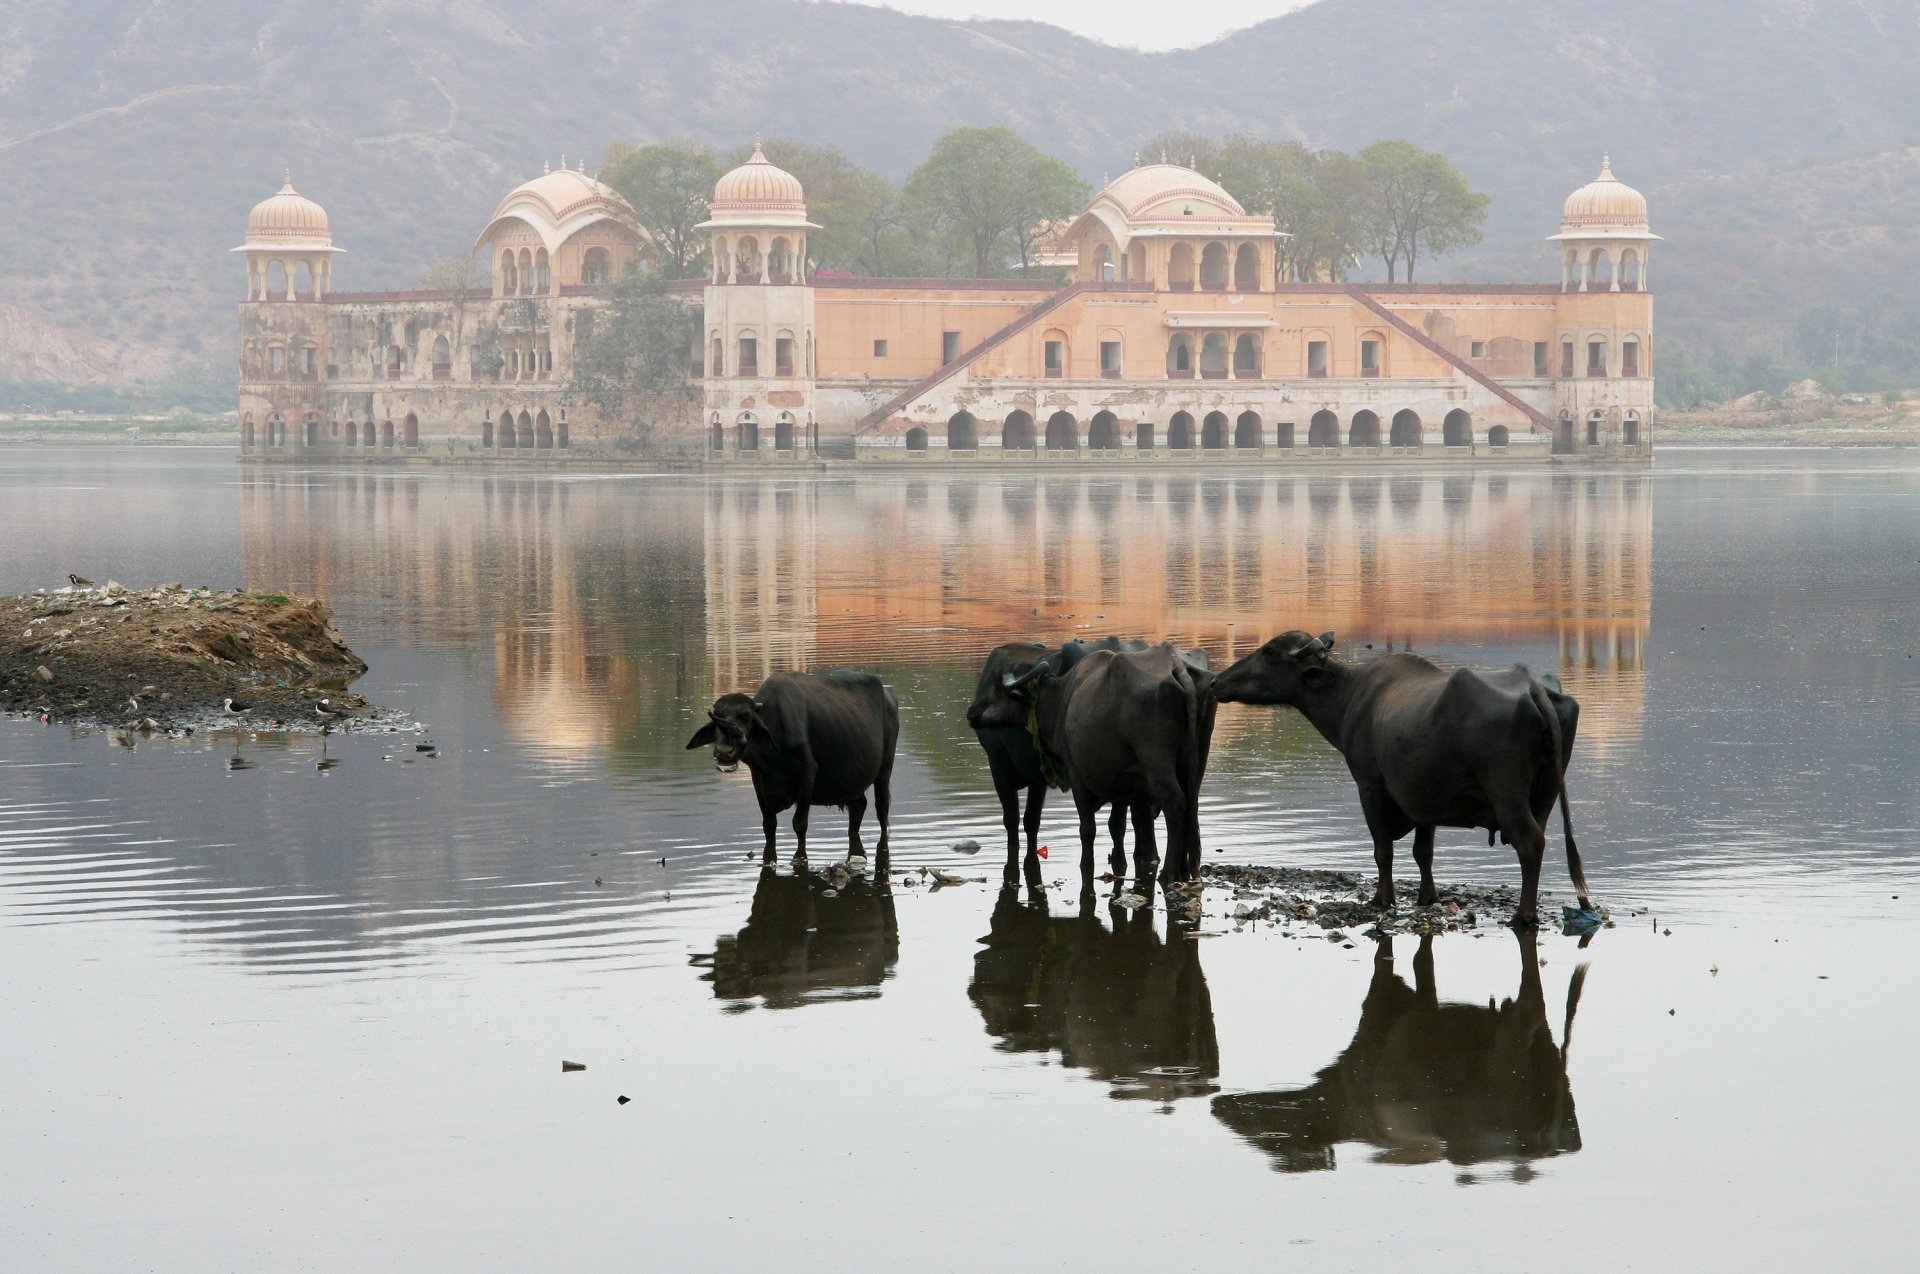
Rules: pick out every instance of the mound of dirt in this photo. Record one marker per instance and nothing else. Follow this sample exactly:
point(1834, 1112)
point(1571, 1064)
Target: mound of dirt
point(169, 658)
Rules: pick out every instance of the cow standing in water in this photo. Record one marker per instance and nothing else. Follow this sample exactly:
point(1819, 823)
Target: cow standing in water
point(1430, 748)
point(1126, 727)
point(1000, 720)
point(810, 739)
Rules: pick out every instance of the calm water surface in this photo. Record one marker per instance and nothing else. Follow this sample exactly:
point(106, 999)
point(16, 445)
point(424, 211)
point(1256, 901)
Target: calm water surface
point(273, 1003)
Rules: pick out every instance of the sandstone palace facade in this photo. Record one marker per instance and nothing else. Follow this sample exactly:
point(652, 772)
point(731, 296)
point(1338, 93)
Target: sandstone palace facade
point(1165, 337)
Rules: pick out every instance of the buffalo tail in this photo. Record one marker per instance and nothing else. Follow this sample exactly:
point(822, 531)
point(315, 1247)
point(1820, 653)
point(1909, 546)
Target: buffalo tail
point(1544, 706)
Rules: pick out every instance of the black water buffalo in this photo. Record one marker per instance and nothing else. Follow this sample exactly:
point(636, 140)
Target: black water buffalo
point(1430, 748)
point(810, 939)
point(1000, 720)
point(1124, 727)
point(1119, 1000)
point(810, 739)
point(1424, 1081)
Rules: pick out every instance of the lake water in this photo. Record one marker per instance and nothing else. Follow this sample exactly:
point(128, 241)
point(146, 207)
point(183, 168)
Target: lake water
point(279, 1003)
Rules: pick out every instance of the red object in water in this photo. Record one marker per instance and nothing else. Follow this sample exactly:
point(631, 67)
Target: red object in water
point(1043, 851)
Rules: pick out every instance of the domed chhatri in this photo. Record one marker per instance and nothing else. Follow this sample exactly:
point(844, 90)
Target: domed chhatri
point(758, 193)
point(557, 204)
point(289, 219)
point(1152, 188)
point(1605, 208)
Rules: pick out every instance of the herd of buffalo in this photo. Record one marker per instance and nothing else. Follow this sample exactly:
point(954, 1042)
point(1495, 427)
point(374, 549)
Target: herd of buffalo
point(1126, 726)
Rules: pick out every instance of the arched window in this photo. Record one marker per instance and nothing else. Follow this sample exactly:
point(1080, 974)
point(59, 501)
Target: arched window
point(783, 353)
point(1365, 431)
point(1246, 357)
point(747, 260)
point(442, 359)
point(1373, 354)
point(716, 360)
point(783, 433)
point(596, 267)
point(963, 432)
point(717, 436)
point(542, 273)
point(1213, 267)
point(486, 432)
point(1053, 353)
point(276, 362)
point(1595, 419)
point(1017, 433)
point(1498, 435)
point(1407, 429)
point(509, 274)
point(1103, 433)
point(276, 431)
point(276, 281)
point(1103, 263)
point(748, 346)
point(1213, 356)
point(1600, 271)
point(1323, 430)
point(916, 439)
point(410, 430)
point(1180, 268)
point(396, 359)
point(720, 261)
point(386, 433)
point(246, 431)
point(352, 434)
point(366, 432)
point(779, 268)
point(1630, 429)
point(1246, 269)
point(525, 429)
point(746, 433)
point(1180, 356)
point(305, 285)
point(543, 431)
point(1457, 429)
point(1213, 431)
point(1630, 271)
point(526, 272)
point(1246, 430)
point(1063, 432)
point(1180, 432)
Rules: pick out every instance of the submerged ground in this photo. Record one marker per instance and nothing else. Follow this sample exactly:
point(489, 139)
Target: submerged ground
point(302, 1002)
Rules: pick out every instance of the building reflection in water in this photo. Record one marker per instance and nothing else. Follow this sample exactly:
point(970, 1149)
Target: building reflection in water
point(810, 939)
point(1424, 1081)
point(610, 606)
point(1116, 999)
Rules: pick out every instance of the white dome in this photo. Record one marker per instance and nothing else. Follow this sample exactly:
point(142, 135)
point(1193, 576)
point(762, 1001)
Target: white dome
point(288, 219)
point(559, 203)
point(758, 193)
point(1605, 208)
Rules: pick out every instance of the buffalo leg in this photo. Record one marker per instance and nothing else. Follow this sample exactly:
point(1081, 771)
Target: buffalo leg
point(1423, 859)
point(1146, 849)
point(1529, 841)
point(882, 804)
point(1036, 802)
point(772, 828)
point(1383, 838)
point(1010, 819)
point(856, 811)
point(1117, 828)
point(1089, 830)
point(800, 829)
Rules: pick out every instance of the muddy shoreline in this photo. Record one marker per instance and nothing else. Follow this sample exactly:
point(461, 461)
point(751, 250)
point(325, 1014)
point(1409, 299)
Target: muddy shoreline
point(170, 659)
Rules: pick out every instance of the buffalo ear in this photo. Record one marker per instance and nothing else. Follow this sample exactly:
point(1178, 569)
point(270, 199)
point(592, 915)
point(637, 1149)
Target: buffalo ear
point(1326, 640)
point(1313, 676)
point(704, 736)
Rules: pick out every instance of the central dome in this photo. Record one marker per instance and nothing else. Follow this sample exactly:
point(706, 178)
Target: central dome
point(1147, 191)
point(759, 185)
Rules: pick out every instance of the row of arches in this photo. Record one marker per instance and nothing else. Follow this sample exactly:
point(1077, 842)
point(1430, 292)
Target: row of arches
point(1602, 428)
point(272, 432)
point(528, 431)
point(1597, 270)
point(746, 433)
point(1213, 268)
point(1213, 431)
point(742, 260)
point(1213, 359)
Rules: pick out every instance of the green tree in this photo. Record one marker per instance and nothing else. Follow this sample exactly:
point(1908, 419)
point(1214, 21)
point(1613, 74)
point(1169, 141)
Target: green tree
point(1416, 203)
point(669, 187)
point(989, 192)
point(1314, 197)
point(633, 361)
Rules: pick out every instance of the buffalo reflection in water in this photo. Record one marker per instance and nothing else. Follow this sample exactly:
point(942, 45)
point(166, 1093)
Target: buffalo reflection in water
point(1425, 1081)
point(808, 940)
point(1115, 1000)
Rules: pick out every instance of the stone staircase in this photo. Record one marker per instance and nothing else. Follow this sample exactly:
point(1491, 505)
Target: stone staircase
point(1536, 418)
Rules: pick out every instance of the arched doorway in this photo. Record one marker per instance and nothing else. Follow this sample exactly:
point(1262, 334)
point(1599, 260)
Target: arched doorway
point(566, 439)
point(410, 430)
point(1630, 429)
point(526, 430)
point(717, 436)
point(1063, 432)
point(1594, 420)
point(963, 432)
point(1213, 267)
point(1017, 433)
point(1246, 357)
point(1103, 434)
point(246, 433)
point(486, 432)
point(1365, 431)
point(386, 432)
point(1497, 436)
point(1213, 356)
point(1406, 430)
point(783, 434)
point(1246, 269)
point(1457, 429)
point(1180, 432)
point(1213, 431)
point(1180, 268)
point(543, 432)
point(1246, 430)
point(1323, 430)
point(506, 438)
point(746, 434)
point(916, 439)
point(366, 434)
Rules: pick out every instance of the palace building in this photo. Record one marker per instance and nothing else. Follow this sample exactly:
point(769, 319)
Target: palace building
point(1164, 335)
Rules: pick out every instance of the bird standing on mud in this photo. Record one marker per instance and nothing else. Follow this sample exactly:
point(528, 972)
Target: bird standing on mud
point(78, 581)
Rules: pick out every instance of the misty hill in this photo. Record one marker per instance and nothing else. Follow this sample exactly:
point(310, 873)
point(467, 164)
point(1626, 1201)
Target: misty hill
point(1771, 136)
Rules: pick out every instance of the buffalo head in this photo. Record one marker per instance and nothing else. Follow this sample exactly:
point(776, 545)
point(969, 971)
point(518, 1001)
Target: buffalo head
point(732, 722)
point(993, 704)
point(1279, 672)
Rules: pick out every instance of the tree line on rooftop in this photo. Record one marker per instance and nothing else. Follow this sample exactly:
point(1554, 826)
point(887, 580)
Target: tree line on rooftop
point(985, 198)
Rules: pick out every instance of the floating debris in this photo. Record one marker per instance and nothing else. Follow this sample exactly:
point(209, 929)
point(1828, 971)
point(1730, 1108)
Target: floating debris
point(566, 1066)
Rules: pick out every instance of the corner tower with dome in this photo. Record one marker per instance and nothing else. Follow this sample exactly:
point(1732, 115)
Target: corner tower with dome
point(1162, 330)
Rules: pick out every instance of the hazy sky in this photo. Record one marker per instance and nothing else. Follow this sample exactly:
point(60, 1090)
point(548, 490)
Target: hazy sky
point(1146, 26)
